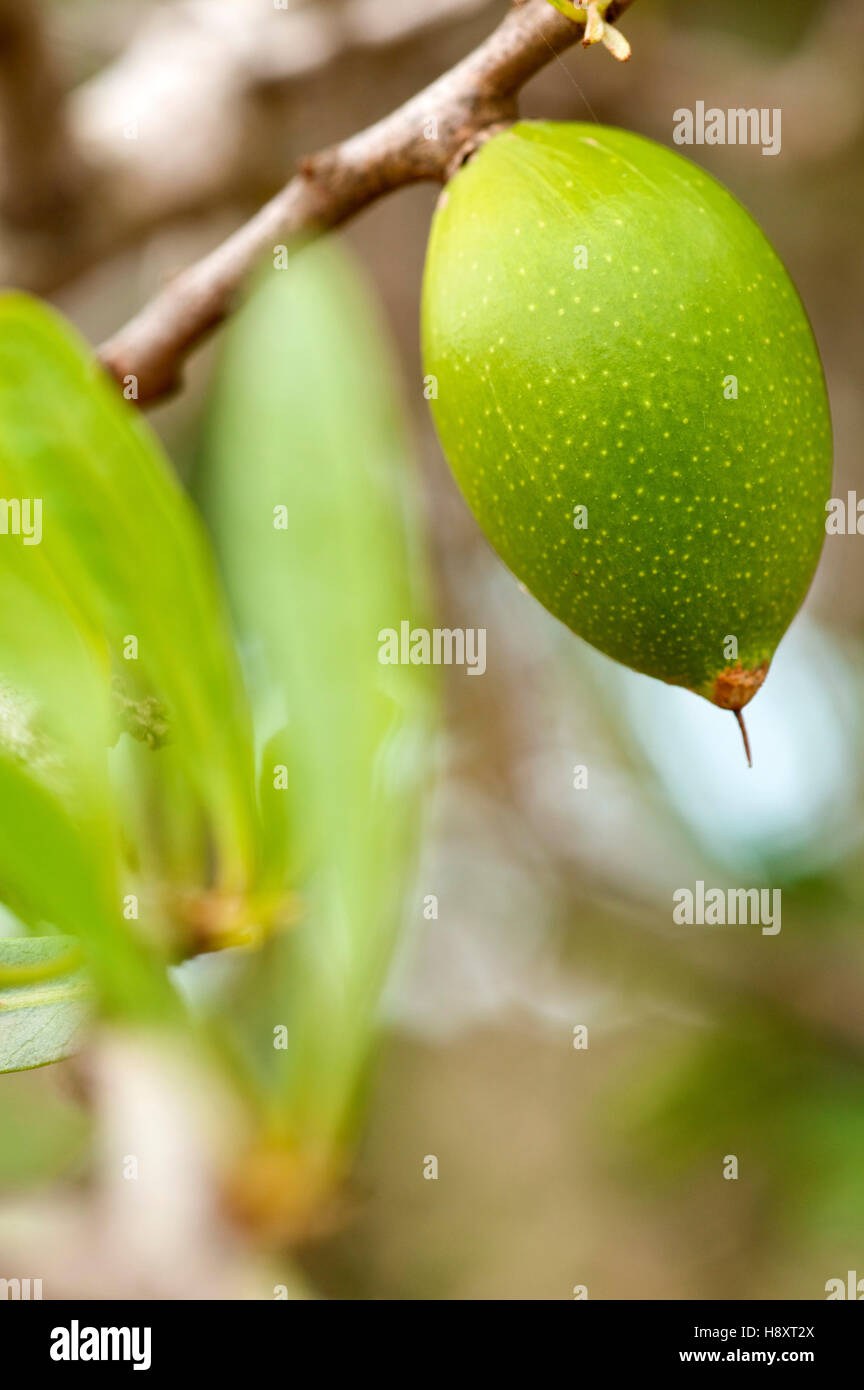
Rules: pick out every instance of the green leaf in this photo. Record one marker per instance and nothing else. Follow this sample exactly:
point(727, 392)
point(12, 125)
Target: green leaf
point(43, 1000)
point(310, 493)
point(59, 847)
point(123, 544)
point(58, 866)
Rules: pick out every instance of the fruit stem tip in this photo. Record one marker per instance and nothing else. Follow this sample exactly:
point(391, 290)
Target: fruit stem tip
point(743, 727)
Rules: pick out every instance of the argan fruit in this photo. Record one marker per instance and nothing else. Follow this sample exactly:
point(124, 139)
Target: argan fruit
point(626, 386)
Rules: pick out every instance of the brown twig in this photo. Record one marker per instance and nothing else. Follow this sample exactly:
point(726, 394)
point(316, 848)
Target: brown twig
point(40, 167)
point(425, 139)
point(189, 119)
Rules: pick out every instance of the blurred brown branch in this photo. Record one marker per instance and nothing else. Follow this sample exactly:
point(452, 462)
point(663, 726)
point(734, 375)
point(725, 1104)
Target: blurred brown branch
point(189, 117)
point(198, 114)
point(426, 138)
point(40, 167)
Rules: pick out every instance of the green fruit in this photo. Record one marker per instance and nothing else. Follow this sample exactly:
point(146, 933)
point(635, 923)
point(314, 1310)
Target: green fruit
point(671, 386)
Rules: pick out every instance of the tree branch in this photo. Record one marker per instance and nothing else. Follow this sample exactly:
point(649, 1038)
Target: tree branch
point(40, 168)
point(189, 118)
point(460, 109)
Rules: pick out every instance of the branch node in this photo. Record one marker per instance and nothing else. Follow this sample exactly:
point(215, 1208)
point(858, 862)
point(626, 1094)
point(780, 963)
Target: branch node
point(469, 147)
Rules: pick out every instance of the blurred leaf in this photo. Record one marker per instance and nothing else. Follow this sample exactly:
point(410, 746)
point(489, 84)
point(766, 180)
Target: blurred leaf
point(43, 1000)
point(42, 1133)
point(120, 538)
point(58, 866)
point(163, 824)
point(761, 1086)
point(59, 851)
point(310, 491)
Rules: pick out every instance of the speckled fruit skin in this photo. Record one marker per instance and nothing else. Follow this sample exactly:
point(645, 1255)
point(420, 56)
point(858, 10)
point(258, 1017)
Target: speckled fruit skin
point(606, 387)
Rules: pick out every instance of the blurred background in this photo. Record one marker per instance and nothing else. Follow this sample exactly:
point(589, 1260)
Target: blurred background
point(557, 1166)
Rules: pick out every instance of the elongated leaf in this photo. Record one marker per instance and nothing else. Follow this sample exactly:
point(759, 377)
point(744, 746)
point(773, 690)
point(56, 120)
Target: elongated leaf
point(58, 866)
point(119, 537)
point(43, 1000)
point(59, 850)
point(308, 486)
